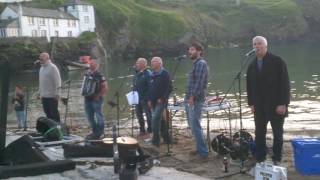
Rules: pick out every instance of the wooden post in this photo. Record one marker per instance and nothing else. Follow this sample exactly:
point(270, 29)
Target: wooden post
point(4, 86)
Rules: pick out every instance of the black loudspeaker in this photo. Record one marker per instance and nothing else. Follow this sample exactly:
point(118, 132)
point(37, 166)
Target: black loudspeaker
point(23, 151)
point(35, 169)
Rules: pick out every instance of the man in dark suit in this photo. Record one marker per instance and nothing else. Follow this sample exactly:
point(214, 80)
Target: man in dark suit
point(268, 90)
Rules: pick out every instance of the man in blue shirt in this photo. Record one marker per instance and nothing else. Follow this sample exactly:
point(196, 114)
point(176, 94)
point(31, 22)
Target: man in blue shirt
point(158, 98)
point(195, 96)
point(142, 82)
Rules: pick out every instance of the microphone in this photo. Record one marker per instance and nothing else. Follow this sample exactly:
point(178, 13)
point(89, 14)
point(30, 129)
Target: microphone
point(250, 52)
point(67, 81)
point(180, 57)
point(36, 62)
point(132, 68)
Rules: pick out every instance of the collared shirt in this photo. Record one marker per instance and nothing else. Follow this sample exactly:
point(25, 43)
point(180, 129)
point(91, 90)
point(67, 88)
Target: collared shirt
point(198, 80)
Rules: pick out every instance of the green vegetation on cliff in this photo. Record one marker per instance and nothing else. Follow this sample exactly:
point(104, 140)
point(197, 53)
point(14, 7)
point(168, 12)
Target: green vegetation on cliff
point(133, 25)
point(151, 24)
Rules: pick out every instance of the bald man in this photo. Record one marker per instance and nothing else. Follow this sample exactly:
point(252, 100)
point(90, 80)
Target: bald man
point(142, 80)
point(268, 90)
point(49, 87)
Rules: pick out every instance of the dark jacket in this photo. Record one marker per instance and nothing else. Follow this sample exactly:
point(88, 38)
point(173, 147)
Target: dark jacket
point(160, 86)
point(142, 82)
point(269, 87)
point(18, 102)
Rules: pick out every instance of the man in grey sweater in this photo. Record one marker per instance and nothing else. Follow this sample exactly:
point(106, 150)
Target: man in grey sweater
point(49, 87)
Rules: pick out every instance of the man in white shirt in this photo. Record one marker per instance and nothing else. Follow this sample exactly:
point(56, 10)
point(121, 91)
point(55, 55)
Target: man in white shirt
point(49, 87)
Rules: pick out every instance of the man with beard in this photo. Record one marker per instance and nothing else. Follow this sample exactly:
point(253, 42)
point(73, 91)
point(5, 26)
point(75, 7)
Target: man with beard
point(195, 97)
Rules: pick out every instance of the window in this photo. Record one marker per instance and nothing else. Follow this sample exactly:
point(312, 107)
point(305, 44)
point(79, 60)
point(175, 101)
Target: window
point(69, 23)
point(69, 33)
point(56, 33)
point(43, 33)
point(86, 19)
point(85, 8)
point(42, 21)
point(3, 32)
point(14, 32)
point(34, 33)
point(31, 20)
point(55, 22)
point(73, 23)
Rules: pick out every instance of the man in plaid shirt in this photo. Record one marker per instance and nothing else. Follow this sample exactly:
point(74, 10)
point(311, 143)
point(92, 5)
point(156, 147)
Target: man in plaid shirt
point(195, 97)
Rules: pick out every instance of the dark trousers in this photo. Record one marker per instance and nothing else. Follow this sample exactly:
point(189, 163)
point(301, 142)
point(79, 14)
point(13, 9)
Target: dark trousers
point(50, 108)
point(140, 108)
point(261, 121)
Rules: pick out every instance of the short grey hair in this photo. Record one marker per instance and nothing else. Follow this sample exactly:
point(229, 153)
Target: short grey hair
point(262, 39)
point(158, 59)
point(143, 61)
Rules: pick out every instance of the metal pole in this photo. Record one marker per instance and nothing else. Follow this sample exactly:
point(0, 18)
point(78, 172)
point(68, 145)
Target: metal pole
point(26, 110)
point(4, 84)
point(67, 103)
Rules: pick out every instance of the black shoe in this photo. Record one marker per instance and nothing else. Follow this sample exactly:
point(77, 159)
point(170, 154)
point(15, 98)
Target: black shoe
point(93, 137)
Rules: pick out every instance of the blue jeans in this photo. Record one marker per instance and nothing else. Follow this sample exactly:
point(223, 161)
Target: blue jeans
point(158, 125)
point(194, 121)
point(94, 108)
point(21, 117)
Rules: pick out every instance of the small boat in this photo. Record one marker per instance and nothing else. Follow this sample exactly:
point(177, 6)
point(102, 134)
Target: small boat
point(72, 65)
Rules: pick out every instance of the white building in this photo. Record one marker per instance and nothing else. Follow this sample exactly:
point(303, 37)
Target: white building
point(71, 20)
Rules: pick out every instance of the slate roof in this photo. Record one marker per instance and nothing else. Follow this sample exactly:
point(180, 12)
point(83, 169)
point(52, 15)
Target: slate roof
point(76, 2)
point(46, 13)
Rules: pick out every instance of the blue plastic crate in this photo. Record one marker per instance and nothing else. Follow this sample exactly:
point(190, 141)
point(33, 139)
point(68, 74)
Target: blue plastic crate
point(307, 155)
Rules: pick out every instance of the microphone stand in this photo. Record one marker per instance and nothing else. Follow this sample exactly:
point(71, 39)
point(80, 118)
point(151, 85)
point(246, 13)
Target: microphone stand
point(133, 106)
point(26, 110)
point(117, 104)
point(237, 78)
point(67, 102)
point(169, 124)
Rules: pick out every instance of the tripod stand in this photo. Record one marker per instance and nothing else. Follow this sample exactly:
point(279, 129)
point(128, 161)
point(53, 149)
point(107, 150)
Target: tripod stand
point(237, 79)
point(116, 104)
point(168, 116)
